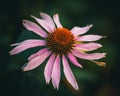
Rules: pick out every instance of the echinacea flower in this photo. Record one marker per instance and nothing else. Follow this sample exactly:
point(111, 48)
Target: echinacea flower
point(60, 44)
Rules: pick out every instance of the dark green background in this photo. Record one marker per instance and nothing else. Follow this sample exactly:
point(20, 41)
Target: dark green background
point(93, 80)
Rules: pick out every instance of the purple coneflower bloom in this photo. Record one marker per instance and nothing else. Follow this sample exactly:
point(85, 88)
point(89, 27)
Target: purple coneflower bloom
point(60, 44)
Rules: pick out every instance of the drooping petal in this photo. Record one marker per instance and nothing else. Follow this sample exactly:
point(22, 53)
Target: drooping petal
point(56, 73)
point(48, 68)
point(80, 30)
point(40, 52)
point(48, 19)
point(68, 73)
point(27, 44)
point(89, 38)
point(35, 62)
point(88, 46)
point(103, 64)
point(34, 28)
point(92, 56)
point(57, 21)
point(43, 23)
point(73, 60)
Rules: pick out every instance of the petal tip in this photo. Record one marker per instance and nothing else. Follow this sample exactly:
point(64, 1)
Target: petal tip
point(81, 66)
point(42, 14)
point(32, 16)
point(24, 21)
point(76, 87)
point(25, 69)
point(105, 54)
point(47, 82)
point(104, 36)
point(99, 46)
point(11, 52)
point(91, 25)
point(56, 14)
point(103, 64)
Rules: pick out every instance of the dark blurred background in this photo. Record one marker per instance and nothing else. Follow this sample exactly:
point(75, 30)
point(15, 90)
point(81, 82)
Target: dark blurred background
point(92, 79)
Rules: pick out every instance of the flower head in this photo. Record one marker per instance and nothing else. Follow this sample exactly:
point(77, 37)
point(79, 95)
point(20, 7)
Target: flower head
point(59, 43)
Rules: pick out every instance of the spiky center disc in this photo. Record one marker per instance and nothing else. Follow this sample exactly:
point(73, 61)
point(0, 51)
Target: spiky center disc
point(60, 41)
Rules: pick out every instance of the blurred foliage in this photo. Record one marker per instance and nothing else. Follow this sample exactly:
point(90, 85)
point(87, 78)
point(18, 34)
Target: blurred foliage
point(92, 79)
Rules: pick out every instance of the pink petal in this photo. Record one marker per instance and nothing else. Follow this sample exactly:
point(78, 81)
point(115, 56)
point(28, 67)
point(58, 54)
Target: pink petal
point(26, 45)
point(48, 68)
point(36, 61)
point(73, 60)
point(80, 30)
point(57, 21)
point(88, 46)
point(89, 38)
point(34, 27)
point(48, 19)
point(93, 56)
point(42, 51)
point(68, 74)
point(43, 23)
point(56, 73)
